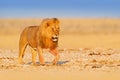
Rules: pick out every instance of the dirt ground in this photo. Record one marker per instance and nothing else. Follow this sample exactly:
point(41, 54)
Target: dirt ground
point(74, 64)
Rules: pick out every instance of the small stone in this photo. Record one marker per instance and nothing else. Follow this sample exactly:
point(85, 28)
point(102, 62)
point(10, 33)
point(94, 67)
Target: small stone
point(97, 66)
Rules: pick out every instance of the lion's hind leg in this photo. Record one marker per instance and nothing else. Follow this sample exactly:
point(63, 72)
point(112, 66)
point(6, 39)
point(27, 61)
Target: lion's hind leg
point(22, 47)
point(34, 54)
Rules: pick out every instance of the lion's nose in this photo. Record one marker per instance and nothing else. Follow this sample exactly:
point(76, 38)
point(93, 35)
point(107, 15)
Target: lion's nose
point(55, 38)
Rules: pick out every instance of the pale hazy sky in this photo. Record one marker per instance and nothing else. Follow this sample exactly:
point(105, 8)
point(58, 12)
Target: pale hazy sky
point(59, 8)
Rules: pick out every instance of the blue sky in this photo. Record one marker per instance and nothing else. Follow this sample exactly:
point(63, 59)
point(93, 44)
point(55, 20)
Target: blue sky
point(59, 8)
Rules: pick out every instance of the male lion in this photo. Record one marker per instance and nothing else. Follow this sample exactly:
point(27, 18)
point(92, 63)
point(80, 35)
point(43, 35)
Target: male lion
point(40, 37)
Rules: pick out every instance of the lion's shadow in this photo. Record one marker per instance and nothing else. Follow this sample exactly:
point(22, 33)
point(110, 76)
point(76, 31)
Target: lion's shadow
point(49, 63)
point(58, 63)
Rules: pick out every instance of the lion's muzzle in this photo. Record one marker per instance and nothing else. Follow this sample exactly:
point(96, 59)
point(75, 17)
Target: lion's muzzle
point(55, 38)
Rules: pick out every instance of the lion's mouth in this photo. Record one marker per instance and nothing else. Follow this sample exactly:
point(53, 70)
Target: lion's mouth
point(55, 38)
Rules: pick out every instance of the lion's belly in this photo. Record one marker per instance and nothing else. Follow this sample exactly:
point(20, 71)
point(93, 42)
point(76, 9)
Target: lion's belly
point(33, 44)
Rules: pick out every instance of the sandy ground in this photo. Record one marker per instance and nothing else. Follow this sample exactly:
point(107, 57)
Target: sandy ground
point(74, 64)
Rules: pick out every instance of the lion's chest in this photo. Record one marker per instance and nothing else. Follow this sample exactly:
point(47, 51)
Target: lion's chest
point(48, 43)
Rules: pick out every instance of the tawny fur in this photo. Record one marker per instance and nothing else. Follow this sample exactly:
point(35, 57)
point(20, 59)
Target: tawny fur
point(39, 38)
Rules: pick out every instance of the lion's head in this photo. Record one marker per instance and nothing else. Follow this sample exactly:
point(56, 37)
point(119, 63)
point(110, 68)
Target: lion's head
point(49, 29)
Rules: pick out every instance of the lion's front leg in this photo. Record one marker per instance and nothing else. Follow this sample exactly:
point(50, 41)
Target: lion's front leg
point(40, 54)
point(56, 54)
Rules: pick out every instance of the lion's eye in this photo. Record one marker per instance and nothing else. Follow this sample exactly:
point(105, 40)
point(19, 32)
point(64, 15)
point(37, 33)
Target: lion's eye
point(58, 28)
point(52, 29)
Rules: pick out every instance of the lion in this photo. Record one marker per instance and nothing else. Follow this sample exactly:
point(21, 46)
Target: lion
point(44, 36)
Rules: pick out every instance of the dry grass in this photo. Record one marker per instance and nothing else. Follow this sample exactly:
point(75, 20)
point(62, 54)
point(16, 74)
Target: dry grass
point(9, 41)
point(85, 25)
point(90, 41)
point(95, 25)
point(70, 41)
point(75, 33)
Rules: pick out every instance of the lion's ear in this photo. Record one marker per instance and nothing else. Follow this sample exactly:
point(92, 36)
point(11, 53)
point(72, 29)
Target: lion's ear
point(55, 20)
point(47, 24)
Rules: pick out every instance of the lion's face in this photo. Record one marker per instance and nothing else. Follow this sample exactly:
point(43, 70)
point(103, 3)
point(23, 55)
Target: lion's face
point(55, 32)
point(52, 28)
